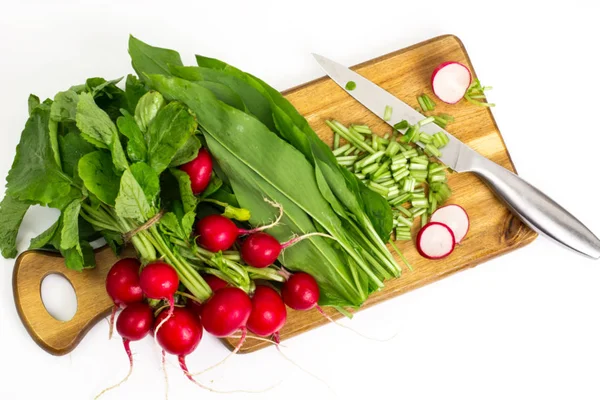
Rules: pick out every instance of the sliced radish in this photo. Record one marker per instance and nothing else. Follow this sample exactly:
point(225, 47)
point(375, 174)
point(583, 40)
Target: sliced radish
point(435, 241)
point(455, 217)
point(450, 81)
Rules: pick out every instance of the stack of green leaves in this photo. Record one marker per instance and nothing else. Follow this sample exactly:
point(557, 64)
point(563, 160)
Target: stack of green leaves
point(265, 148)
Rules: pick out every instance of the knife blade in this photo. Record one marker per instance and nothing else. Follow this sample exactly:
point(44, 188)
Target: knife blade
point(536, 209)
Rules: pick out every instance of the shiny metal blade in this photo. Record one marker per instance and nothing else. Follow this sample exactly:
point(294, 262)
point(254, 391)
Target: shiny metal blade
point(376, 99)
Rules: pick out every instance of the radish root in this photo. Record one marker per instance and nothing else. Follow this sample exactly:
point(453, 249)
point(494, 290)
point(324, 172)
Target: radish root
point(237, 348)
point(164, 368)
point(297, 239)
point(268, 226)
point(187, 373)
point(282, 354)
point(169, 314)
point(324, 314)
point(130, 356)
point(111, 321)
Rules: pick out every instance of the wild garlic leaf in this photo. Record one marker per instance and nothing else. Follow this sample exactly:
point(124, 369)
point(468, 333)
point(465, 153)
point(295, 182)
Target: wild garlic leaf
point(12, 212)
point(170, 130)
point(188, 199)
point(32, 102)
point(69, 235)
point(151, 60)
point(147, 109)
point(98, 175)
point(136, 144)
point(131, 201)
point(134, 90)
point(35, 177)
point(148, 180)
point(64, 107)
point(187, 152)
point(72, 147)
point(97, 128)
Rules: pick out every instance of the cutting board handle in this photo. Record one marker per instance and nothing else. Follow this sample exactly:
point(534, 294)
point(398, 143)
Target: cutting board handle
point(54, 336)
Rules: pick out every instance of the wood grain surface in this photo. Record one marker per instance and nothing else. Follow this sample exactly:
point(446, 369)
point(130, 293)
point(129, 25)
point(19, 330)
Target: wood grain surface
point(494, 230)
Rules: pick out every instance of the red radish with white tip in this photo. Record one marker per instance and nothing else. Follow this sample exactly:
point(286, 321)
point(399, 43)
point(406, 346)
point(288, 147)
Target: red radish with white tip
point(134, 323)
point(123, 286)
point(199, 171)
point(450, 81)
point(435, 240)
point(455, 217)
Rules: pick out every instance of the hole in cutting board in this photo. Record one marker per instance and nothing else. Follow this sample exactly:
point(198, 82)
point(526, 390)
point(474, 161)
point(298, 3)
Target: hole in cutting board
point(58, 296)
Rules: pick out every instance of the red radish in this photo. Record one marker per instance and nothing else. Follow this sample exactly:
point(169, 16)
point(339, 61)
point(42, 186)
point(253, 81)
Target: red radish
point(179, 334)
point(226, 311)
point(199, 170)
point(219, 233)
point(261, 249)
point(455, 217)
point(133, 324)
point(450, 81)
point(123, 285)
point(216, 233)
point(435, 240)
point(268, 312)
point(160, 281)
point(300, 291)
point(123, 282)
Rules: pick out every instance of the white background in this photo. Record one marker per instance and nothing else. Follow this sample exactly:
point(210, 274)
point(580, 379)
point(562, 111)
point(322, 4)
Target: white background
point(523, 326)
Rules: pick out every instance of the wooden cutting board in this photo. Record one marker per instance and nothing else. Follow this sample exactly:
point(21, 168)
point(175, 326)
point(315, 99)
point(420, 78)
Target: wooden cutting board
point(406, 74)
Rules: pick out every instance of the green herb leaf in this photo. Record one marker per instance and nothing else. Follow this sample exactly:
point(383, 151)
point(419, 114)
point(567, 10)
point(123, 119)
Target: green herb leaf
point(72, 147)
point(187, 223)
point(114, 240)
point(147, 109)
point(69, 235)
point(136, 144)
point(134, 90)
point(98, 175)
point(171, 129)
point(64, 107)
point(32, 102)
point(46, 237)
point(97, 128)
point(148, 180)
point(151, 60)
point(188, 199)
point(131, 201)
point(12, 212)
point(35, 177)
point(187, 152)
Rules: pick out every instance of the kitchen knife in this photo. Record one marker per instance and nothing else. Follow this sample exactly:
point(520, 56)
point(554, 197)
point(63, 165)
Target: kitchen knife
point(535, 208)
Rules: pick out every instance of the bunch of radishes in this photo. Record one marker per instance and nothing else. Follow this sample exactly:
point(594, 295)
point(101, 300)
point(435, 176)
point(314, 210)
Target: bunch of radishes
point(178, 328)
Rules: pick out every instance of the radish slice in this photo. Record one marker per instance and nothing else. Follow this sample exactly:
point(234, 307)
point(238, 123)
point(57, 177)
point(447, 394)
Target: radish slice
point(450, 81)
point(435, 241)
point(455, 217)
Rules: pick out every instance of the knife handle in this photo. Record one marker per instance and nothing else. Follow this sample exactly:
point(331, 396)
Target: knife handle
point(536, 209)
